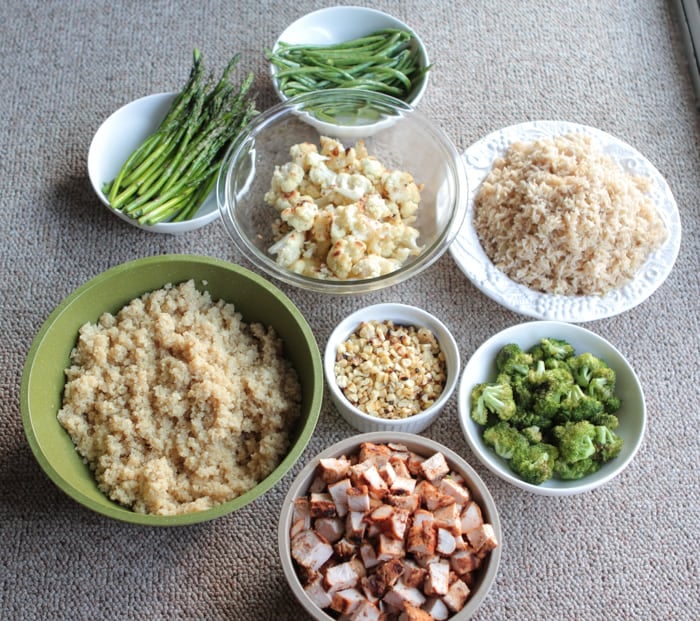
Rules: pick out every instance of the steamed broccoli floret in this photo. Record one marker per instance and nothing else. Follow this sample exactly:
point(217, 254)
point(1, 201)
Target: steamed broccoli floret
point(575, 440)
point(535, 462)
point(579, 406)
point(533, 434)
point(583, 440)
point(608, 443)
point(577, 470)
point(584, 366)
point(493, 397)
point(504, 439)
point(557, 349)
point(602, 387)
point(513, 361)
point(549, 388)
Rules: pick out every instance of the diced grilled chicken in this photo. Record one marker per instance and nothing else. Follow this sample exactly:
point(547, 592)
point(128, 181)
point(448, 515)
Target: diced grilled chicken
point(403, 485)
point(436, 608)
point(435, 467)
point(464, 562)
point(332, 529)
point(414, 464)
point(471, 517)
point(399, 595)
point(339, 493)
point(422, 538)
point(310, 550)
point(431, 497)
point(345, 549)
point(457, 490)
point(388, 548)
point(448, 517)
point(366, 611)
point(410, 503)
point(344, 575)
point(437, 581)
point(358, 499)
point(376, 453)
point(321, 505)
point(456, 596)
point(413, 575)
point(333, 469)
point(388, 473)
point(413, 613)
point(347, 601)
point(482, 539)
point(445, 542)
point(399, 463)
point(317, 592)
point(355, 526)
point(389, 572)
point(368, 555)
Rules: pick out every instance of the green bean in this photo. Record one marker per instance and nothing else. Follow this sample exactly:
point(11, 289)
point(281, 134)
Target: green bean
point(383, 61)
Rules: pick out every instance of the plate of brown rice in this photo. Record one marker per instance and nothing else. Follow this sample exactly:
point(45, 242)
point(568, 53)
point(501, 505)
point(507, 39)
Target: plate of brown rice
point(565, 222)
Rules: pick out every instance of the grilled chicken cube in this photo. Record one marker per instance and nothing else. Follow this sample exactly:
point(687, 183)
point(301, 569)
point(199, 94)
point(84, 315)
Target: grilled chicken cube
point(436, 608)
point(333, 469)
point(471, 517)
point(422, 538)
point(347, 601)
point(437, 581)
point(332, 529)
point(413, 613)
point(435, 467)
point(482, 539)
point(366, 611)
point(445, 544)
point(358, 499)
point(448, 517)
point(456, 596)
point(321, 505)
point(399, 595)
point(413, 575)
point(388, 548)
point(317, 592)
point(355, 526)
point(310, 550)
point(403, 485)
point(449, 486)
point(344, 575)
point(339, 493)
point(464, 562)
point(431, 497)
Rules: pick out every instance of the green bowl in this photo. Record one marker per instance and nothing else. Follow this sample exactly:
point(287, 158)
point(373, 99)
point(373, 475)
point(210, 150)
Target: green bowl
point(43, 377)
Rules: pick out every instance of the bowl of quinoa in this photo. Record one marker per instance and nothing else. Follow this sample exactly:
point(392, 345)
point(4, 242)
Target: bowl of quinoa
point(171, 390)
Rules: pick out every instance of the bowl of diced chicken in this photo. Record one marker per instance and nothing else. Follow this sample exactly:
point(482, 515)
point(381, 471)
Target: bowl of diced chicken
point(327, 209)
point(391, 526)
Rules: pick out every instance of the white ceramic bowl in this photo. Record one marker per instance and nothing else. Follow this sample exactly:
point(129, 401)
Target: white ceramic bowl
point(115, 141)
point(481, 367)
point(417, 444)
point(400, 314)
point(343, 23)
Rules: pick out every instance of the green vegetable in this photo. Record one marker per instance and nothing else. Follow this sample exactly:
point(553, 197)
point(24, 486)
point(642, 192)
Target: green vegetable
point(171, 173)
point(384, 61)
point(549, 412)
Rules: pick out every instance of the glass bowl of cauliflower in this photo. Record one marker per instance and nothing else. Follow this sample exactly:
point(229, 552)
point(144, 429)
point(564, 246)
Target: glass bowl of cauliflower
point(342, 191)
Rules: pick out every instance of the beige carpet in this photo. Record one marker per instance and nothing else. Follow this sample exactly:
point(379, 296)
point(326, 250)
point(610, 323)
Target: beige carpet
point(626, 551)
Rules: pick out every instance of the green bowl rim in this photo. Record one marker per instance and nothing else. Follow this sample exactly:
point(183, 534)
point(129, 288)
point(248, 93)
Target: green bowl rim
point(118, 512)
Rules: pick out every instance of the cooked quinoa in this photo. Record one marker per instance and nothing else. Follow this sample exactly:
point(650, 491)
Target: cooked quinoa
point(176, 404)
point(560, 217)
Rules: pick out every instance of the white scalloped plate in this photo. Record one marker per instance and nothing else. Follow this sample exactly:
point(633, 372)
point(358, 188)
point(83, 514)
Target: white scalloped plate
point(472, 260)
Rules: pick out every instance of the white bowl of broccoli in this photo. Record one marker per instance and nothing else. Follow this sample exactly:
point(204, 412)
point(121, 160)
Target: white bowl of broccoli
point(551, 407)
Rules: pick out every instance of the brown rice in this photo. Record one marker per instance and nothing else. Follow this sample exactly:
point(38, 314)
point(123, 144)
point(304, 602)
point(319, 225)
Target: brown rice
point(560, 217)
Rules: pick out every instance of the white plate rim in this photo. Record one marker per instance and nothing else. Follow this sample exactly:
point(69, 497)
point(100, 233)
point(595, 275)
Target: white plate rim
point(475, 264)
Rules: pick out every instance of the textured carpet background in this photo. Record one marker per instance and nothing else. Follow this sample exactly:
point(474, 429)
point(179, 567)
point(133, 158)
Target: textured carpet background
point(626, 551)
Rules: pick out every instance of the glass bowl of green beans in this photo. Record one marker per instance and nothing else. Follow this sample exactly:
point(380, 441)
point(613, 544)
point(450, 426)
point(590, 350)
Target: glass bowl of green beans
point(349, 47)
point(340, 212)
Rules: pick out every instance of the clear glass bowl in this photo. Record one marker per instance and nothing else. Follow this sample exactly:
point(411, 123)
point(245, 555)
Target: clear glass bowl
point(394, 132)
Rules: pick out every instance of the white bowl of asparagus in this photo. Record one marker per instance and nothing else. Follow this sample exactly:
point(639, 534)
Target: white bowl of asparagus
point(154, 161)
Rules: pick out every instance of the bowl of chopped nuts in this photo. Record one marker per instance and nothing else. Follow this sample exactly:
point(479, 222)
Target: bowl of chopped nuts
point(389, 525)
point(327, 213)
point(391, 367)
